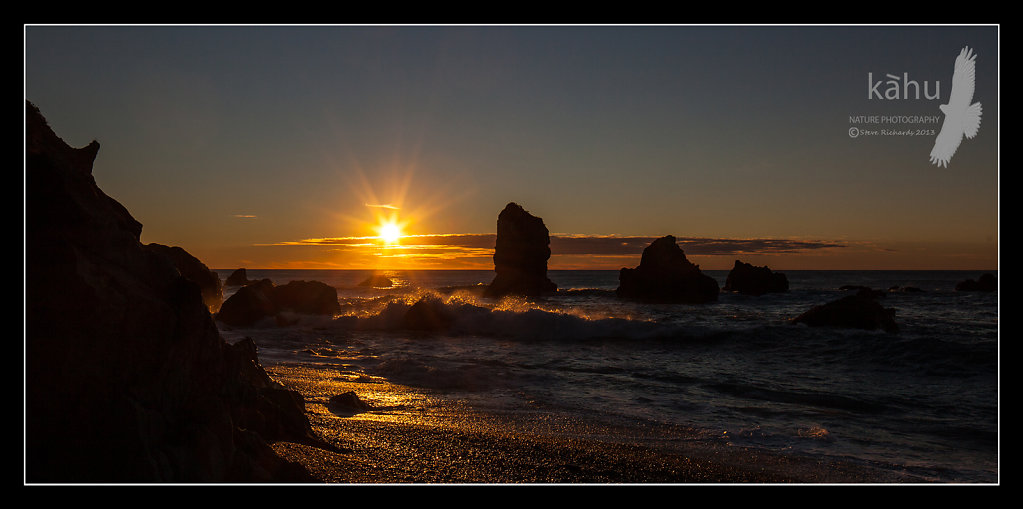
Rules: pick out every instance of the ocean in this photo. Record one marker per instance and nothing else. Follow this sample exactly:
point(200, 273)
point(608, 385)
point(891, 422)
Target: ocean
point(921, 402)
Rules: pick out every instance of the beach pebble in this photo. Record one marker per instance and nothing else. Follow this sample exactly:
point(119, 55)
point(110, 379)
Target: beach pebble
point(348, 403)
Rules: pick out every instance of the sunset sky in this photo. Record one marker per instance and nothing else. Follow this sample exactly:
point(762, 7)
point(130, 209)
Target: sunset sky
point(288, 146)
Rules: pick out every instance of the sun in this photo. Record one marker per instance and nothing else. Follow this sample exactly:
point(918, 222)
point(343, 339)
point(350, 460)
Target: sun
point(390, 232)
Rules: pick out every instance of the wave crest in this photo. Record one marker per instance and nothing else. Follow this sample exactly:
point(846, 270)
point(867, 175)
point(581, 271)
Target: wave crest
point(512, 317)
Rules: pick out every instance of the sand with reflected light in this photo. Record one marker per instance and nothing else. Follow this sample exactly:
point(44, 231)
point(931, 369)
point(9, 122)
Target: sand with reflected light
point(413, 436)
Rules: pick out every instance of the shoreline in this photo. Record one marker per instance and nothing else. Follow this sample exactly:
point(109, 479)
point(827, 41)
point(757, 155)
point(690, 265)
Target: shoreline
point(412, 437)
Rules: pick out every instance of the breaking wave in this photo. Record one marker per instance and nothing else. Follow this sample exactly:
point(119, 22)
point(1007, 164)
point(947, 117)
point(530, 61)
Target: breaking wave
point(464, 314)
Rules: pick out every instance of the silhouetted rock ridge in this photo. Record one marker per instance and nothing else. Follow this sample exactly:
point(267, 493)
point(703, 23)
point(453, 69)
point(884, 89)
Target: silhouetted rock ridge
point(985, 283)
point(195, 271)
point(126, 376)
point(238, 278)
point(748, 279)
point(665, 275)
point(263, 299)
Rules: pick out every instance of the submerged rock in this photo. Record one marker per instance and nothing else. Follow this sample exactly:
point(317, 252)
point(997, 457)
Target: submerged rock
point(751, 280)
point(665, 275)
point(520, 255)
point(427, 314)
point(986, 283)
point(237, 278)
point(262, 299)
point(377, 281)
point(127, 379)
point(859, 311)
point(904, 289)
point(195, 271)
point(863, 290)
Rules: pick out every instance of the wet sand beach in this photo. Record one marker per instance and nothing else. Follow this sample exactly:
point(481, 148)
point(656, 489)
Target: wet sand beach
point(411, 436)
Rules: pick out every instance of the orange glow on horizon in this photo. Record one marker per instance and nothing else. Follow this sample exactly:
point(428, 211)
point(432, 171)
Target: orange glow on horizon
point(417, 251)
point(388, 217)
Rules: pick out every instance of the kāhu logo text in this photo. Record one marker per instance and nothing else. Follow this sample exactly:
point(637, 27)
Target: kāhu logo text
point(901, 87)
point(962, 115)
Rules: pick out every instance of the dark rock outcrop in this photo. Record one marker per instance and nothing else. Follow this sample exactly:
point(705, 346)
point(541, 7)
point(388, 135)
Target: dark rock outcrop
point(665, 275)
point(520, 255)
point(985, 283)
point(126, 376)
point(195, 271)
point(237, 278)
point(249, 304)
point(377, 281)
point(859, 311)
point(278, 413)
point(307, 297)
point(427, 314)
point(751, 280)
point(262, 299)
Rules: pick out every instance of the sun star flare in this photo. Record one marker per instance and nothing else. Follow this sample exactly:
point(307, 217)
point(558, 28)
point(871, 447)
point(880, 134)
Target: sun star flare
point(390, 232)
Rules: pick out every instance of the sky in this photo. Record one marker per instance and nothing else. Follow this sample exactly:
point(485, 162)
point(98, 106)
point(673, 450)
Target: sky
point(289, 146)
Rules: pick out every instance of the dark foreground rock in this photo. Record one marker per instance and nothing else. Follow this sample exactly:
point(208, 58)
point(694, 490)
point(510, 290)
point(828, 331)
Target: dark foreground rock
point(665, 275)
point(238, 278)
point(748, 279)
point(986, 283)
point(127, 379)
point(859, 311)
point(195, 271)
point(263, 299)
point(520, 255)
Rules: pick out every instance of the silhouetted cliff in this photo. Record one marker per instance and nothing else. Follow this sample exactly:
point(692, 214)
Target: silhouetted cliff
point(127, 378)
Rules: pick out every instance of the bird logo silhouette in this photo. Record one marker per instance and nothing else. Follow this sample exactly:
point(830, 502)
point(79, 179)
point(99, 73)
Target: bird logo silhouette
point(961, 117)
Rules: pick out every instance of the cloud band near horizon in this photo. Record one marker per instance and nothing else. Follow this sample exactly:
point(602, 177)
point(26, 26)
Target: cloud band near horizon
point(482, 244)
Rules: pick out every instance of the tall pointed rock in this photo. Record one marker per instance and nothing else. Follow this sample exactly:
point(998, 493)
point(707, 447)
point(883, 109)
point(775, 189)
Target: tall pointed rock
point(520, 255)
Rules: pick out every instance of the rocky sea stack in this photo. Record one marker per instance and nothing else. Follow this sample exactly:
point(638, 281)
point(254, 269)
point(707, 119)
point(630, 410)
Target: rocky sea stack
point(263, 299)
point(985, 283)
point(238, 278)
point(665, 275)
point(858, 311)
point(521, 254)
point(748, 279)
point(127, 379)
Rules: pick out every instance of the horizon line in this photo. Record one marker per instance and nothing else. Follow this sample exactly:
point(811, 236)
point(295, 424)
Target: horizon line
point(591, 270)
